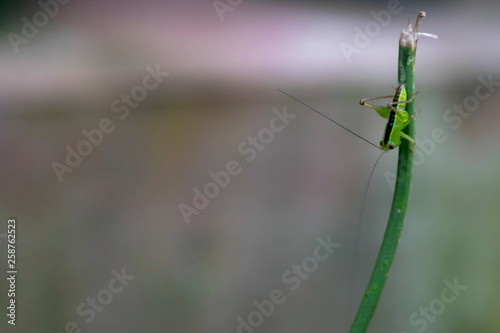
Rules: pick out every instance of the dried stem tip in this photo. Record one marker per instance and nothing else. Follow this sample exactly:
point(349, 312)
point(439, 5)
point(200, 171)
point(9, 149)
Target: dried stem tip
point(409, 35)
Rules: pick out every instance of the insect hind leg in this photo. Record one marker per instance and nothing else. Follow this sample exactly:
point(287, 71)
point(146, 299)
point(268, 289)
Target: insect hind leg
point(392, 104)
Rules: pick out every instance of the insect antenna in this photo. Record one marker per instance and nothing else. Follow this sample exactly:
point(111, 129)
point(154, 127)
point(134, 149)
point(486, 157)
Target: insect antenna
point(355, 256)
point(325, 116)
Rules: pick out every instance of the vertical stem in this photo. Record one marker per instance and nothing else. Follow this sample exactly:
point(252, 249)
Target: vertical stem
point(406, 76)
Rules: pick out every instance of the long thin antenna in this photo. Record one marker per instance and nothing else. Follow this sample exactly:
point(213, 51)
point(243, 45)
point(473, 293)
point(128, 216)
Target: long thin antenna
point(355, 256)
point(321, 114)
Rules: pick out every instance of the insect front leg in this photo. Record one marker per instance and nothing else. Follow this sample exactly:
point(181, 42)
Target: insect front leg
point(413, 143)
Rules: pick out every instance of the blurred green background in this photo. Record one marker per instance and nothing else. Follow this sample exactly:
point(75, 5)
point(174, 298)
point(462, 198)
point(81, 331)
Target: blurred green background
point(119, 207)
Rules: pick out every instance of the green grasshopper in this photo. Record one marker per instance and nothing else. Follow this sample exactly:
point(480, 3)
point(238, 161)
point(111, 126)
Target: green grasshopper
point(397, 116)
point(398, 119)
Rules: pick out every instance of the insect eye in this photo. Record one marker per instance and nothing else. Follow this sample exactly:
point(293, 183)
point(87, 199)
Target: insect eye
point(392, 146)
point(381, 143)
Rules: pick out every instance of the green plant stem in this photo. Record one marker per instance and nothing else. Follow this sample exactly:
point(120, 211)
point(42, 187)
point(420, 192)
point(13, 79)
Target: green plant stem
point(406, 76)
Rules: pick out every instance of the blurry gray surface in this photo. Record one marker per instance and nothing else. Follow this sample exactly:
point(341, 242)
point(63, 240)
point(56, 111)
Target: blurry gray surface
point(120, 206)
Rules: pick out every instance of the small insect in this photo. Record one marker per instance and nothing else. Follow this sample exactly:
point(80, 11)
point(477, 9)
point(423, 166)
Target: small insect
point(397, 116)
point(398, 119)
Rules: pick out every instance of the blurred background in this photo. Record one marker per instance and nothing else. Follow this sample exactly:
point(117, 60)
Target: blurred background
point(123, 205)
